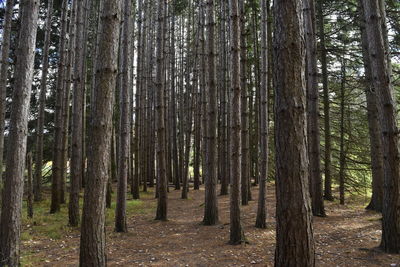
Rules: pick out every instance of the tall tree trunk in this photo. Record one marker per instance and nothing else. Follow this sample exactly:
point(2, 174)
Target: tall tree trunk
point(293, 209)
point(124, 130)
point(211, 203)
point(317, 198)
point(380, 73)
point(10, 222)
point(42, 103)
point(327, 123)
point(5, 53)
point(92, 243)
point(57, 185)
point(373, 125)
point(342, 152)
point(236, 231)
point(77, 119)
point(261, 210)
point(244, 108)
point(161, 138)
point(29, 187)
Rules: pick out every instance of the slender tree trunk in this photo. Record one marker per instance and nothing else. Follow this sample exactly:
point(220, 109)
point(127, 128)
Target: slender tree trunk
point(57, 185)
point(261, 210)
point(124, 130)
point(327, 123)
point(92, 244)
point(374, 12)
point(11, 209)
point(5, 53)
point(29, 186)
point(42, 103)
point(161, 138)
point(293, 210)
point(77, 119)
point(236, 231)
point(211, 203)
point(342, 156)
point(317, 198)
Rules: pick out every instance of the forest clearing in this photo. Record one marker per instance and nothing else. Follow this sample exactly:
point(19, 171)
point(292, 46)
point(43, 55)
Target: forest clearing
point(349, 236)
point(199, 133)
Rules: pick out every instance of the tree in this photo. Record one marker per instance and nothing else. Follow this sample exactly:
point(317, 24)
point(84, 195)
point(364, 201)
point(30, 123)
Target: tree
point(92, 243)
point(10, 223)
point(236, 231)
point(5, 53)
point(313, 110)
point(211, 202)
point(161, 136)
point(293, 211)
point(261, 210)
point(124, 138)
point(381, 77)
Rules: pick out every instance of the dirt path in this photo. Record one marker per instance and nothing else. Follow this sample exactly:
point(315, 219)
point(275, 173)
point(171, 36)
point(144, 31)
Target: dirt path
point(345, 238)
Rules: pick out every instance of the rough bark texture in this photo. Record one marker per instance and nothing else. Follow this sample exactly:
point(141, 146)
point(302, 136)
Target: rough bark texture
point(317, 199)
point(211, 203)
point(5, 53)
point(92, 244)
point(161, 137)
point(261, 209)
point(293, 208)
point(124, 130)
point(236, 232)
point(10, 224)
point(373, 125)
point(380, 75)
point(342, 152)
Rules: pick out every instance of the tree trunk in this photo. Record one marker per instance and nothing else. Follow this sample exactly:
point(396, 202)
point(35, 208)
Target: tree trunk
point(10, 224)
point(77, 120)
point(29, 187)
point(261, 210)
point(327, 123)
point(161, 138)
point(317, 199)
point(380, 73)
point(293, 210)
point(5, 53)
point(211, 203)
point(373, 125)
point(92, 244)
point(342, 156)
point(124, 130)
point(236, 231)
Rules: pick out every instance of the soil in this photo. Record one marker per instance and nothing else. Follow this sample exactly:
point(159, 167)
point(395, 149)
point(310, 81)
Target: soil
point(348, 236)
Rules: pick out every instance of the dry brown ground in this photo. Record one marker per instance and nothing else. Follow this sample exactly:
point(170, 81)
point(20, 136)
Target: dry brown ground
point(346, 237)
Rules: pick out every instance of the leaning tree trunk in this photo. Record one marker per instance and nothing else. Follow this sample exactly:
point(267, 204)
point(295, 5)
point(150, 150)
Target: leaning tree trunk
point(124, 120)
point(293, 209)
point(317, 199)
point(211, 203)
point(11, 209)
point(380, 74)
point(161, 137)
point(236, 231)
point(42, 103)
point(373, 125)
point(261, 210)
point(92, 244)
point(5, 53)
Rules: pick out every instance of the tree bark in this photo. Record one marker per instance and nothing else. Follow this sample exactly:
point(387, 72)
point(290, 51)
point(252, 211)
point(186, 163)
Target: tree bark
point(29, 187)
point(380, 73)
point(293, 210)
point(10, 223)
point(92, 243)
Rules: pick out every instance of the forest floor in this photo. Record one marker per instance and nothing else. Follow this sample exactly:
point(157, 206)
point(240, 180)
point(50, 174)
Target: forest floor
point(347, 237)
